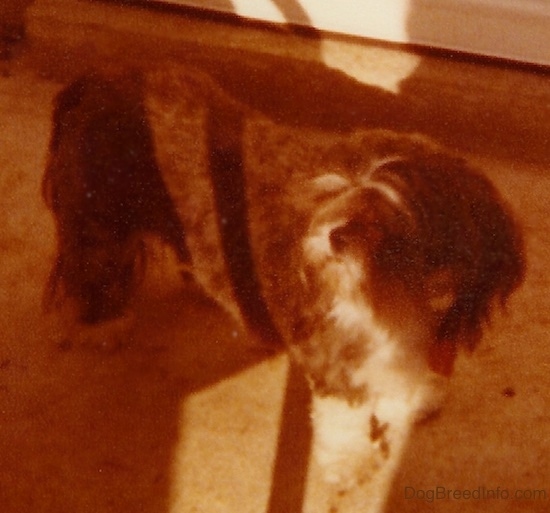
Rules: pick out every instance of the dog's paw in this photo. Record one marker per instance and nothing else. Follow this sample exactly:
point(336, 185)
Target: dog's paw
point(109, 336)
point(106, 337)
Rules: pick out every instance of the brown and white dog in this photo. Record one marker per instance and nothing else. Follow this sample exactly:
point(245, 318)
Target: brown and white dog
point(375, 255)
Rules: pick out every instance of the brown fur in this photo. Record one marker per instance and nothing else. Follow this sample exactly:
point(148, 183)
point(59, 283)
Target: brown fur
point(105, 191)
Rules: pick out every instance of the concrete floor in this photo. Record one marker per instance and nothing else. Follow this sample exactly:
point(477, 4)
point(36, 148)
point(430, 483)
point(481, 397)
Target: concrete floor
point(179, 411)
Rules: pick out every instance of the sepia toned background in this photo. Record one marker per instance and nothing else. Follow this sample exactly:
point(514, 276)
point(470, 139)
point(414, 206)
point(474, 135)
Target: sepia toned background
point(180, 411)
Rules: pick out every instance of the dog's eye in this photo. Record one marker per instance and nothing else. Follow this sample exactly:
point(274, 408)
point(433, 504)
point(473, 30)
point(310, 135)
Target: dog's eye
point(352, 234)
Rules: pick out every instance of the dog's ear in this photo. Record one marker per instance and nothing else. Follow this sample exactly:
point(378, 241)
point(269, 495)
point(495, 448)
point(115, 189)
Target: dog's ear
point(488, 261)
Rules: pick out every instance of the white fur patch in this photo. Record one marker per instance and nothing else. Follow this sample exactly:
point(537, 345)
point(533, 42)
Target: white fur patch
point(355, 445)
point(330, 182)
point(387, 191)
point(356, 455)
point(317, 246)
point(350, 315)
point(341, 439)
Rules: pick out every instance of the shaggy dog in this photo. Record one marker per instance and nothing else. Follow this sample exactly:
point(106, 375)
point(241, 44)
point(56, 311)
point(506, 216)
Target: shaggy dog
point(375, 255)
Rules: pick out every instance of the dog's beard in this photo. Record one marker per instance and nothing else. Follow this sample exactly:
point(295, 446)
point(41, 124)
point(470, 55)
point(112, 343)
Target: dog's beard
point(351, 299)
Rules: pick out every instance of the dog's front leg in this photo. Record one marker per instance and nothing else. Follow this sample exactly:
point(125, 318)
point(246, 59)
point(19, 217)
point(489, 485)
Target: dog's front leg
point(357, 448)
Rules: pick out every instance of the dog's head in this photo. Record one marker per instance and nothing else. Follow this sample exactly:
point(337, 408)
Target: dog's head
point(406, 252)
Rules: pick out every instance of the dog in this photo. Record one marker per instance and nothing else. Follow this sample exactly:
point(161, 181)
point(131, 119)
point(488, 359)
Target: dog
point(388, 255)
point(374, 255)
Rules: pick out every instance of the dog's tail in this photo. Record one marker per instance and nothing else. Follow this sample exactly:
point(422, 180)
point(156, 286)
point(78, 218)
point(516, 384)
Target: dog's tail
point(106, 192)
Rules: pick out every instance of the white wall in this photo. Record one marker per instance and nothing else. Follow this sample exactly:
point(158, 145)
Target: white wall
point(511, 29)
